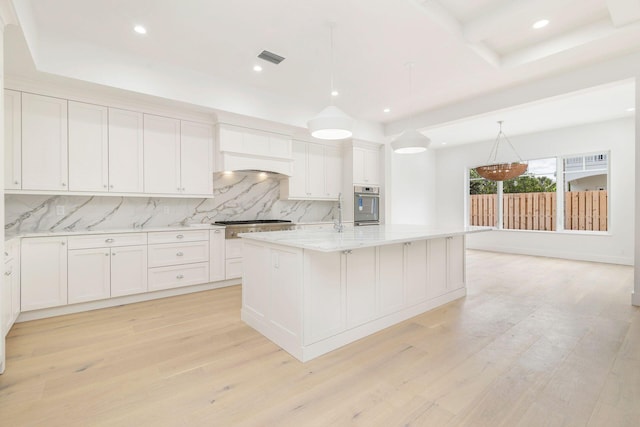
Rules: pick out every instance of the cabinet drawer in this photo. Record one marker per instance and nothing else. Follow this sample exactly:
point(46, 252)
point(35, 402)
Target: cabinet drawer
point(177, 276)
point(233, 268)
point(178, 236)
point(107, 240)
point(233, 248)
point(178, 253)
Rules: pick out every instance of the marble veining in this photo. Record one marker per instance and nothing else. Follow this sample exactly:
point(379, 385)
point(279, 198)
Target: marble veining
point(237, 196)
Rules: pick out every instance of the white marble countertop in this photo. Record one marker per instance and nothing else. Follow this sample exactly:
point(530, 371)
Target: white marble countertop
point(324, 240)
point(10, 236)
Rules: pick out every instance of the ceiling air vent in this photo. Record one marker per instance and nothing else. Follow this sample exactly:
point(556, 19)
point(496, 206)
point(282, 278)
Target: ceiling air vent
point(271, 57)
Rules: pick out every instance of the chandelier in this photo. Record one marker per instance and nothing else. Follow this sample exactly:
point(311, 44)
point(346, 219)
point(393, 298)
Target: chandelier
point(500, 171)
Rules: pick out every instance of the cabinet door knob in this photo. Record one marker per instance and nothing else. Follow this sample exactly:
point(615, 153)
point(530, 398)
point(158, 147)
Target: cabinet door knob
point(109, 240)
point(105, 186)
point(16, 182)
point(347, 252)
point(106, 254)
point(216, 231)
point(407, 243)
point(64, 185)
point(179, 236)
point(111, 186)
point(180, 276)
point(62, 243)
point(8, 273)
point(179, 254)
point(113, 253)
point(6, 253)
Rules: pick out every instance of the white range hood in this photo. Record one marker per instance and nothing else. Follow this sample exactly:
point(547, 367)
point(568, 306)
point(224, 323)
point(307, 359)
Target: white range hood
point(240, 148)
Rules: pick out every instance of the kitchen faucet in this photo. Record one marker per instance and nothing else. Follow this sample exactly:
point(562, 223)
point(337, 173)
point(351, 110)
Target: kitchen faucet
point(338, 226)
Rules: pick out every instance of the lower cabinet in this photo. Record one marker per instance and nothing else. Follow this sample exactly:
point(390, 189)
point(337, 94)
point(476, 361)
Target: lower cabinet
point(100, 273)
point(43, 271)
point(174, 265)
point(217, 255)
point(233, 258)
point(360, 265)
point(10, 286)
point(177, 276)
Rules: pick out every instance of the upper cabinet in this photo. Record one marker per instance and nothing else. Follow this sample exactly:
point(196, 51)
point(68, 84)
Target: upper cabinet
point(366, 166)
point(161, 155)
point(251, 149)
point(88, 147)
point(196, 158)
point(126, 151)
point(178, 156)
point(57, 145)
point(44, 143)
point(12, 139)
point(317, 172)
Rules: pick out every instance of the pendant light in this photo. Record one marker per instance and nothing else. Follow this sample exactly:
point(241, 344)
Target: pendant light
point(497, 171)
point(331, 122)
point(410, 141)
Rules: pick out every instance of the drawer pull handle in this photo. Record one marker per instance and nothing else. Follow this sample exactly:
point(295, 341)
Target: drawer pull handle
point(109, 240)
point(217, 231)
point(179, 236)
point(8, 273)
point(180, 276)
point(179, 254)
point(347, 252)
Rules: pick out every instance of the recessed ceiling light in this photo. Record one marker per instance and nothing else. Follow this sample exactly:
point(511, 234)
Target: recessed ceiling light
point(257, 68)
point(540, 24)
point(386, 110)
point(140, 29)
point(630, 109)
point(334, 93)
point(444, 143)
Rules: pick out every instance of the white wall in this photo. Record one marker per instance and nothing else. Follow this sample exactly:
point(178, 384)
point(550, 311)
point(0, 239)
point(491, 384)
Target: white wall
point(617, 246)
point(412, 189)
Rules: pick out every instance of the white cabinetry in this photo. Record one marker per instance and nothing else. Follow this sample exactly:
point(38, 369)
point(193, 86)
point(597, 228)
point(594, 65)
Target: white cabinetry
point(104, 266)
point(391, 295)
point(12, 140)
point(10, 288)
point(196, 158)
point(44, 143)
point(161, 155)
point(178, 157)
point(324, 297)
point(366, 166)
point(217, 257)
point(416, 271)
point(126, 148)
point(233, 258)
point(43, 271)
point(88, 147)
point(360, 285)
point(172, 264)
point(317, 172)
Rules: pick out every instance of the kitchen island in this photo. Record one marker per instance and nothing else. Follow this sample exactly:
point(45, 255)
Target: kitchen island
point(312, 291)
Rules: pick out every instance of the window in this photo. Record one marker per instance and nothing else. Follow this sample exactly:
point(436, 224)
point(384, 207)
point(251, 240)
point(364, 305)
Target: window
point(585, 184)
point(530, 201)
point(483, 195)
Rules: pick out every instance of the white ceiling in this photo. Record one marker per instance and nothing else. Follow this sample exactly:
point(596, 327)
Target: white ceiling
point(203, 51)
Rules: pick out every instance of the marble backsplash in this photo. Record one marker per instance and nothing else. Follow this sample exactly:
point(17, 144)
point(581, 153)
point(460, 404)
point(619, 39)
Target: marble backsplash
point(238, 196)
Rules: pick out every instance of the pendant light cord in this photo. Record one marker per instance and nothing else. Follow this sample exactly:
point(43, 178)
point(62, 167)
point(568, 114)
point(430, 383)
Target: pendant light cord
point(493, 155)
point(331, 26)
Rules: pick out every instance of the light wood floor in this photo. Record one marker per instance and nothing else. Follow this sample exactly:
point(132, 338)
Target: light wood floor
point(537, 342)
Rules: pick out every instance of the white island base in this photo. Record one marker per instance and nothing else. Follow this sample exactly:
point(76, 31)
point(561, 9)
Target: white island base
point(313, 301)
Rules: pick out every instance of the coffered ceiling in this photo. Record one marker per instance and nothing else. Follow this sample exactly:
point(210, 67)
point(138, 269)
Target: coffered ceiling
point(203, 51)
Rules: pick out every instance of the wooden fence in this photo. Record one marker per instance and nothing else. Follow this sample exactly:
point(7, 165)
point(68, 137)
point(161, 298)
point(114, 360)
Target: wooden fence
point(584, 210)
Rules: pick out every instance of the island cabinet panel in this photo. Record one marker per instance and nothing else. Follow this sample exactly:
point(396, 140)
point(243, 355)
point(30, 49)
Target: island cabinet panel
point(391, 284)
point(437, 265)
point(323, 296)
point(254, 289)
point(416, 272)
point(360, 286)
point(284, 291)
point(455, 263)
